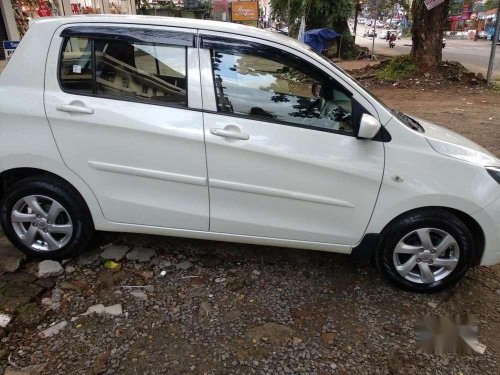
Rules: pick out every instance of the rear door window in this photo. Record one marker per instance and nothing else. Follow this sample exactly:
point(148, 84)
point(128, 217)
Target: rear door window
point(140, 71)
point(129, 69)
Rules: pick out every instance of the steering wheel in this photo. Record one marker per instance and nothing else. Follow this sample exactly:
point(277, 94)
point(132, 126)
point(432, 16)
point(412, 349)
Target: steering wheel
point(338, 114)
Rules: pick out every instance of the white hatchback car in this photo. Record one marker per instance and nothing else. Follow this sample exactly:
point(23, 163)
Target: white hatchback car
point(223, 132)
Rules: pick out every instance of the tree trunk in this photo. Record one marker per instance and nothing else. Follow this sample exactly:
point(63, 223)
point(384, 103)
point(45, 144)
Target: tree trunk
point(427, 34)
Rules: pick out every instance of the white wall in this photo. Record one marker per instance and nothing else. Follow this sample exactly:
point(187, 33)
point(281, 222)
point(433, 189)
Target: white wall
point(9, 20)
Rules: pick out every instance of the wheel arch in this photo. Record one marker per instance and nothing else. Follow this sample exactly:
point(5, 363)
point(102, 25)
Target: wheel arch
point(13, 175)
point(365, 251)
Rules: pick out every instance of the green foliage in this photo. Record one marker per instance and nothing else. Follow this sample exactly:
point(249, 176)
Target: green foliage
point(406, 32)
point(143, 7)
point(491, 4)
point(319, 13)
point(383, 7)
point(399, 67)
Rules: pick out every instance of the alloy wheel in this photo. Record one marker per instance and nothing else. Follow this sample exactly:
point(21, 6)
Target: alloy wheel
point(426, 255)
point(41, 223)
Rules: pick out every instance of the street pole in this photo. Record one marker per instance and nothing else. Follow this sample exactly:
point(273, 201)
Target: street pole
point(356, 14)
point(494, 41)
point(374, 23)
point(289, 29)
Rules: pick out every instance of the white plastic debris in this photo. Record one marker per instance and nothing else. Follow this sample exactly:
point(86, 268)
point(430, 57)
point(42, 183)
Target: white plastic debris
point(4, 320)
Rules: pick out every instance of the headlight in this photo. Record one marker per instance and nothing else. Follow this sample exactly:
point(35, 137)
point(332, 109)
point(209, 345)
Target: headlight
point(494, 172)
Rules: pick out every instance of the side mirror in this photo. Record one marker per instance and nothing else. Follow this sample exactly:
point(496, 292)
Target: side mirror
point(368, 127)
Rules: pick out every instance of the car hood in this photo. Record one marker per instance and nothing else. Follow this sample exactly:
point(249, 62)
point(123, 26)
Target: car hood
point(452, 144)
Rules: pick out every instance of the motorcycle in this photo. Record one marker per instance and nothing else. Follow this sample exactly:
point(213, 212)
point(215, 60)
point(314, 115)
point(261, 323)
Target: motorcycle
point(392, 43)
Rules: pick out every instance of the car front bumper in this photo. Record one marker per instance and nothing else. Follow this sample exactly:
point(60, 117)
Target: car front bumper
point(489, 220)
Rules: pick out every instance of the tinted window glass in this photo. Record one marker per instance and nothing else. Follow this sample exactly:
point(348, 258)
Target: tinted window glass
point(76, 66)
point(141, 71)
point(267, 84)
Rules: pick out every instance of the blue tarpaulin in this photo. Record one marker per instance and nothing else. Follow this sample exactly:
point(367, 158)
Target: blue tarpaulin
point(316, 38)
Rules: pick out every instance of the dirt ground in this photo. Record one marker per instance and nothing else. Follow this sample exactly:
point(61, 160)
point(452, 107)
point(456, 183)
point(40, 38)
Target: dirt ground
point(218, 308)
point(472, 112)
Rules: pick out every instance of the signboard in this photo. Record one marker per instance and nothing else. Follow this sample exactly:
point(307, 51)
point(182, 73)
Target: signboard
point(9, 46)
point(245, 11)
point(429, 4)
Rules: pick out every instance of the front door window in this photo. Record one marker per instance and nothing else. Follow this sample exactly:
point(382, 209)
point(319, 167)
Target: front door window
point(271, 85)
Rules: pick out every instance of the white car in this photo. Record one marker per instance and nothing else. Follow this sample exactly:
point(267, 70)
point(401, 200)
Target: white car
point(219, 131)
point(369, 33)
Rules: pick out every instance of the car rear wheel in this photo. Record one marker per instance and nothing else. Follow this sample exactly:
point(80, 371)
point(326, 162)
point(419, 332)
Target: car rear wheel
point(46, 217)
point(426, 250)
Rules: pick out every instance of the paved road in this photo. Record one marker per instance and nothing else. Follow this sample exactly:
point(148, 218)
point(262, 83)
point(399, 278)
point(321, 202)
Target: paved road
point(473, 55)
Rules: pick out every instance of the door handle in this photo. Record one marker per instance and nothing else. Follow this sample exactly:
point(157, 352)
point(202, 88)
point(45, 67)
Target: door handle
point(70, 108)
point(230, 134)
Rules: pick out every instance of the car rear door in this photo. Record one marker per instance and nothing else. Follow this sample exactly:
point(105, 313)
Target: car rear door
point(123, 102)
point(283, 158)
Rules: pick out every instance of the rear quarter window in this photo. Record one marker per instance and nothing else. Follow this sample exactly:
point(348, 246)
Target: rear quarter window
point(75, 68)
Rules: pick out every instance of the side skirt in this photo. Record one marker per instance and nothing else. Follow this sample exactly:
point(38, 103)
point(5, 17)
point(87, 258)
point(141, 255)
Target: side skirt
point(214, 236)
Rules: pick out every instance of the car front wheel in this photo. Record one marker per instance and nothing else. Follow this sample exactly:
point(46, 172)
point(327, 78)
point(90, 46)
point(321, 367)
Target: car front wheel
point(426, 251)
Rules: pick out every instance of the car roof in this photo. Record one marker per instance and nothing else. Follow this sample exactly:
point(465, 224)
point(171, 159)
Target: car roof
point(225, 27)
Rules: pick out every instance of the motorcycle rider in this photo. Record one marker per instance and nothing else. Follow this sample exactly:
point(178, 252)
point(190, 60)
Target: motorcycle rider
point(392, 40)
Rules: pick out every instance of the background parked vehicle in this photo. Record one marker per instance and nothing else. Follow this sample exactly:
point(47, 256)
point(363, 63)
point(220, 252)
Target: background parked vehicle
point(386, 33)
point(369, 33)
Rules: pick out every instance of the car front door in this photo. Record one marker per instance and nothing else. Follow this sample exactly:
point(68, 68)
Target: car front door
point(282, 153)
point(120, 100)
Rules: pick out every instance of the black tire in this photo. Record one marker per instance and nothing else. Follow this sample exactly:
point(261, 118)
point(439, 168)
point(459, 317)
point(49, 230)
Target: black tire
point(60, 191)
point(426, 218)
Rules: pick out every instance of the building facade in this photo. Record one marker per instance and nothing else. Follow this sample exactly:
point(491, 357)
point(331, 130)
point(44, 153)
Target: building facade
point(15, 15)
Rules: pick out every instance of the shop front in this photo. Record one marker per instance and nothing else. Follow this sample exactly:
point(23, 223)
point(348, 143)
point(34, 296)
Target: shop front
point(16, 14)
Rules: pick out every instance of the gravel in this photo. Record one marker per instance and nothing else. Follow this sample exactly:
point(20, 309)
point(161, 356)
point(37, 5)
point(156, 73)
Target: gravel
point(258, 311)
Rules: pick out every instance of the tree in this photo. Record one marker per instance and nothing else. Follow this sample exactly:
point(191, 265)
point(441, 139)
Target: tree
point(427, 34)
point(319, 13)
point(490, 4)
